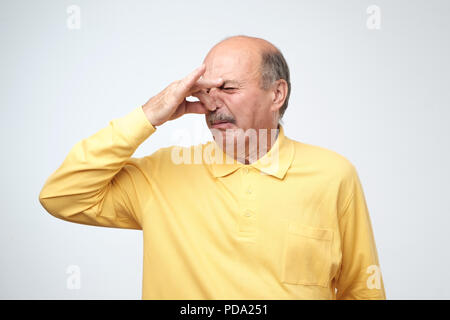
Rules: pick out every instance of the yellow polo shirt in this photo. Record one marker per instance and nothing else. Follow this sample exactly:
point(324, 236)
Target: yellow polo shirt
point(213, 230)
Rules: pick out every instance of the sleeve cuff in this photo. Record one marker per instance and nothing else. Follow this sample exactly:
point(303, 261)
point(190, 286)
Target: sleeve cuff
point(135, 126)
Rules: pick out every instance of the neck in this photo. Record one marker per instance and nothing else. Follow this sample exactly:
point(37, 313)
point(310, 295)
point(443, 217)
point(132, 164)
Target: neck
point(257, 144)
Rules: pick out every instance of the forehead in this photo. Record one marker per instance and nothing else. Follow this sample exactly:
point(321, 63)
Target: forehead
point(232, 63)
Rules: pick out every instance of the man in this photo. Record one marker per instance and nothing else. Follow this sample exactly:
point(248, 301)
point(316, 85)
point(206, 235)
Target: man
point(275, 219)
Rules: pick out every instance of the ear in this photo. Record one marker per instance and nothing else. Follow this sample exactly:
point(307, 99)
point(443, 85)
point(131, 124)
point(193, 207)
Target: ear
point(279, 93)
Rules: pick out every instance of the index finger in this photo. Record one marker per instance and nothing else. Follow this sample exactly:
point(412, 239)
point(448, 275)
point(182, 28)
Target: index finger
point(208, 83)
point(189, 81)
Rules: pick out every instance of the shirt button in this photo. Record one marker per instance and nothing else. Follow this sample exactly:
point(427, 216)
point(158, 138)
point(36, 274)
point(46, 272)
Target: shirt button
point(248, 213)
point(249, 191)
point(245, 170)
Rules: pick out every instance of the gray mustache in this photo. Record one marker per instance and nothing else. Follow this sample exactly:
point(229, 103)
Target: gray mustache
point(215, 117)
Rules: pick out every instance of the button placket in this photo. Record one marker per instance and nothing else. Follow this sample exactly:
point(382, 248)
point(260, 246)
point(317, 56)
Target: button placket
point(246, 183)
point(247, 218)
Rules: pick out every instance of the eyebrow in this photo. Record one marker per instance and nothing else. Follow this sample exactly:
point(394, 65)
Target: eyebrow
point(231, 82)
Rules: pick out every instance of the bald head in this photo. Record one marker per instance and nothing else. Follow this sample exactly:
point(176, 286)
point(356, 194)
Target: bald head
point(255, 84)
point(265, 61)
point(246, 42)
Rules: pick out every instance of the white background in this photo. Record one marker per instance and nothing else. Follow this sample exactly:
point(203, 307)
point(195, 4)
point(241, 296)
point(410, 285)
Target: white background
point(378, 97)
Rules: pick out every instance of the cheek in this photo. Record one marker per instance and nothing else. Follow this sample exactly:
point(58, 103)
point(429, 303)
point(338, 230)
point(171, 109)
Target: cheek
point(240, 104)
point(233, 103)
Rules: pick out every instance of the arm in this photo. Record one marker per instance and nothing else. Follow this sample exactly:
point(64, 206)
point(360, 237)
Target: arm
point(98, 183)
point(360, 274)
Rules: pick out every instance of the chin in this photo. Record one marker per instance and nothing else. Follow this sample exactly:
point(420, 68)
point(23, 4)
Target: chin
point(230, 135)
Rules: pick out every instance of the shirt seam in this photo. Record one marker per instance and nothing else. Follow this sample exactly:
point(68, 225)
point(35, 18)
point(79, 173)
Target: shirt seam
point(347, 205)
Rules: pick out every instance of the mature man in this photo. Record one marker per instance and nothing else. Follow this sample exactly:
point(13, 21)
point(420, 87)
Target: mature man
point(274, 219)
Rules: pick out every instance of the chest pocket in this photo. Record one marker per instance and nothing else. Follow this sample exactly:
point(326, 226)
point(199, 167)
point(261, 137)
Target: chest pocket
point(307, 255)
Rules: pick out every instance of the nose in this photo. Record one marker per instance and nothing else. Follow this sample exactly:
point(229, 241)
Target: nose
point(210, 99)
point(212, 91)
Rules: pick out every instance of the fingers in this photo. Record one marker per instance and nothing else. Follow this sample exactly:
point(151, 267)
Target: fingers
point(195, 107)
point(189, 81)
point(205, 99)
point(193, 85)
point(205, 84)
point(193, 82)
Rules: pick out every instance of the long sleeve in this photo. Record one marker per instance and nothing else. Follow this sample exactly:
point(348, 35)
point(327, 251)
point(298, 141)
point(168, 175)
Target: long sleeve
point(99, 183)
point(360, 274)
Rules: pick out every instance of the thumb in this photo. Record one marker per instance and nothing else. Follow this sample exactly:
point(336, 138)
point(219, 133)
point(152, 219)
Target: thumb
point(195, 107)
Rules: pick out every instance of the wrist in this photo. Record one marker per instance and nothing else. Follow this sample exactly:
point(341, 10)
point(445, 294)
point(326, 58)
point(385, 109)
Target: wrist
point(149, 114)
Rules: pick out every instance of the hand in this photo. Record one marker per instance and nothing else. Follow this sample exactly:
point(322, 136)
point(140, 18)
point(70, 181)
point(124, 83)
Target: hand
point(171, 103)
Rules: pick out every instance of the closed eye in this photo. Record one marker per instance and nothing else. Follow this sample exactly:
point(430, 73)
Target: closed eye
point(227, 88)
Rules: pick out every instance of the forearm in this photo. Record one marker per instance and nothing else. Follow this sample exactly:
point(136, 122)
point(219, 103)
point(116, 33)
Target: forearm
point(78, 189)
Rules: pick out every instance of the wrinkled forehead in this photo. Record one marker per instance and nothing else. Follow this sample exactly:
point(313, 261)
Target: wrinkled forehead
point(232, 63)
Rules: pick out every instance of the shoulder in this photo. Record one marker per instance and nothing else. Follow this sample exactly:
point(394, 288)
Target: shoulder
point(322, 160)
point(328, 168)
point(176, 156)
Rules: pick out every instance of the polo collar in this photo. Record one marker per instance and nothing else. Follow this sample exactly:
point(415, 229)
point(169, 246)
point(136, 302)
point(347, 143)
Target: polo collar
point(275, 162)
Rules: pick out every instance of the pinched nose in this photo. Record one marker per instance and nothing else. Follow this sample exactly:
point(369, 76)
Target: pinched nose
point(211, 102)
point(212, 91)
point(211, 106)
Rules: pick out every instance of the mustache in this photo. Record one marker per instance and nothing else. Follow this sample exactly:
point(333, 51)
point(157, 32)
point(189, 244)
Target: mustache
point(214, 117)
